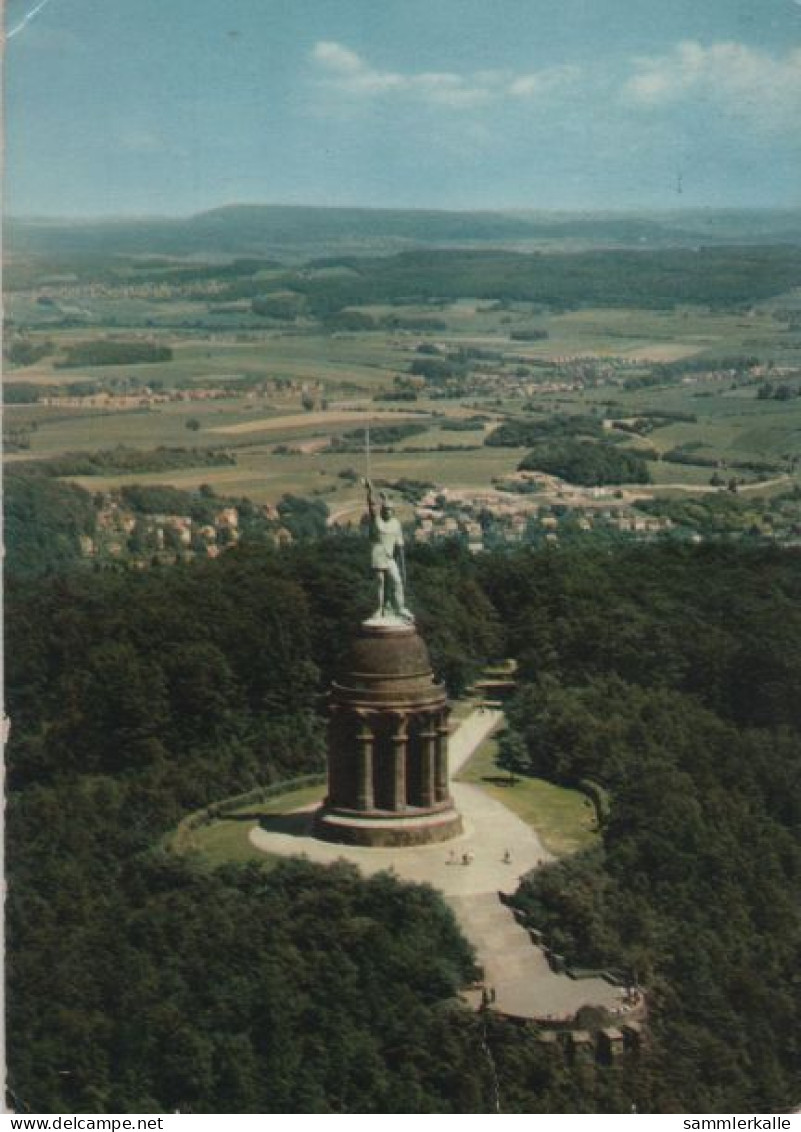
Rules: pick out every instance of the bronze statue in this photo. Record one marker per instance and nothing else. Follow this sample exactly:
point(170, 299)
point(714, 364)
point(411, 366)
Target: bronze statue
point(386, 536)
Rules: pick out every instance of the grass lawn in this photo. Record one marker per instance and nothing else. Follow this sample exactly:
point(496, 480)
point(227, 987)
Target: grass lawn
point(227, 840)
point(461, 708)
point(564, 819)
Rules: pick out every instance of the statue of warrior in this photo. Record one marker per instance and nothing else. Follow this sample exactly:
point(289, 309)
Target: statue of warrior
point(386, 536)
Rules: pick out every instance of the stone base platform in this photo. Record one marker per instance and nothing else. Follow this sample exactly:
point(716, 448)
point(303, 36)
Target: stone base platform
point(386, 830)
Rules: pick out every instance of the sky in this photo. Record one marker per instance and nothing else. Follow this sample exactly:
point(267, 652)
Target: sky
point(171, 107)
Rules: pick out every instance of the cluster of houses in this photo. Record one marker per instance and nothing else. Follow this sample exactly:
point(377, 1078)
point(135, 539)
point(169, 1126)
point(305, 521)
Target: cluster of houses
point(486, 518)
point(54, 293)
point(507, 383)
point(519, 374)
point(124, 535)
point(145, 396)
point(140, 399)
point(504, 374)
point(578, 371)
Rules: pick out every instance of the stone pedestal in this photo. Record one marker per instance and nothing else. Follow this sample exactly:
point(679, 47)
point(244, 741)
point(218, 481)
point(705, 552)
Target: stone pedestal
point(388, 745)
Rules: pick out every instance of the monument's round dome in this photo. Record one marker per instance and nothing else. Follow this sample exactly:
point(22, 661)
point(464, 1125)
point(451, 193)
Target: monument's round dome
point(388, 661)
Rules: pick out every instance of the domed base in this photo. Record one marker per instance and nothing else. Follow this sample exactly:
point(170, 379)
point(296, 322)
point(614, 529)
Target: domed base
point(414, 827)
point(388, 667)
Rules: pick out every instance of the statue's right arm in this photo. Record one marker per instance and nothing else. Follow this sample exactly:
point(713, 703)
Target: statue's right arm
point(370, 498)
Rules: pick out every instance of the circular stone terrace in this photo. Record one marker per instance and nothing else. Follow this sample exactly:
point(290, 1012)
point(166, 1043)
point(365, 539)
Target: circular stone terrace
point(472, 871)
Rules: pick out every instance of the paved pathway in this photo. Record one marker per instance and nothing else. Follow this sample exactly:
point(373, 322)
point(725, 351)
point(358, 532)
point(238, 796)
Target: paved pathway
point(524, 983)
point(469, 735)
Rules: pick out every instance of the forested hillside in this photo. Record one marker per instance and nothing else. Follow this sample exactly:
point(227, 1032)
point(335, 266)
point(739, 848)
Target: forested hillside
point(670, 678)
point(142, 982)
point(239, 229)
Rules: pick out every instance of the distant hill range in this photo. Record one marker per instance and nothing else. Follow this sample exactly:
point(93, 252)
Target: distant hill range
point(298, 232)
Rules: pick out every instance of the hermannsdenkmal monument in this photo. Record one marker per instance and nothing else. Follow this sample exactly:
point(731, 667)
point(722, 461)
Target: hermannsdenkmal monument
point(389, 803)
point(388, 719)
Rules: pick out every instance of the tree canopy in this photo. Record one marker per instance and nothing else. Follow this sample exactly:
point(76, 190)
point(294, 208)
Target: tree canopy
point(141, 981)
point(591, 463)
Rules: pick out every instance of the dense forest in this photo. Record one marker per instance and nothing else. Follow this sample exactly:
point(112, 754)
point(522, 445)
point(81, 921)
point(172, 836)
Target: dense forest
point(524, 431)
point(45, 517)
point(670, 678)
point(647, 277)
point(108, 352)
point(122, 458)
point(591, 463)
point(43, 520)
point(143, 982)
point(719, 277)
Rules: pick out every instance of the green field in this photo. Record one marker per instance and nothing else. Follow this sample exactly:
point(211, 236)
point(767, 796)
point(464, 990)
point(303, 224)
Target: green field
point(359, 362)
point(226, 840)
point(348, 369)
point(661, 335)
point(265, 477)
point(731, 424)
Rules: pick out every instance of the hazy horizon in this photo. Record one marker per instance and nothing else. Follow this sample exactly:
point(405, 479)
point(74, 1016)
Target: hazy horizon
point(153, 110)
point(527, 213)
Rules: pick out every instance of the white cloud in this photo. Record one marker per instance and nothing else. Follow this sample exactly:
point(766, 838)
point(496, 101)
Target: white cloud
point(742, 80)
point(541, 82)
point(345, 71)
point(337, 57)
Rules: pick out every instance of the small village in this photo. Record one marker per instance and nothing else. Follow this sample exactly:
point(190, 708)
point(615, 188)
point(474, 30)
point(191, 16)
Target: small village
point(481, 519)
point(503, 516)
point(140, 539)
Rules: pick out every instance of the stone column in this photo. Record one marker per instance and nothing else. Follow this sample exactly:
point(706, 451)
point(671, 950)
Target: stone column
point(398, 742)
point(364, 766)
point(441, 758)
point(334, 757)
point(428, 761)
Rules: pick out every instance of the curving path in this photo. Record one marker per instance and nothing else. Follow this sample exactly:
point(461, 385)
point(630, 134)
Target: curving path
point(524, 984)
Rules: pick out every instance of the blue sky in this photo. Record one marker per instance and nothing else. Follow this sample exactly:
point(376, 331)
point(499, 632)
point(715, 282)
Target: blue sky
point(168, 107)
